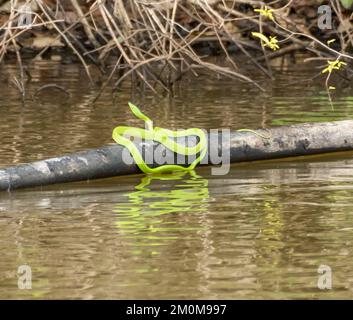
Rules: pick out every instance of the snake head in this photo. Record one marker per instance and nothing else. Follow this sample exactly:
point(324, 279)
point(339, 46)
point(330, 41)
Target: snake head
point(138, 113)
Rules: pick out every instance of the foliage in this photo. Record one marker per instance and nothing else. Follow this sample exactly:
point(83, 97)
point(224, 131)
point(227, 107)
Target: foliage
point(347, 3)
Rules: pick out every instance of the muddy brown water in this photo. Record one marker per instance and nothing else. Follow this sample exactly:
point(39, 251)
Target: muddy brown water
point(262, 231)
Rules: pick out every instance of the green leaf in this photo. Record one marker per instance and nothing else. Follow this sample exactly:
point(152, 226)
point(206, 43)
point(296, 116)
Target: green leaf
point(347, 3)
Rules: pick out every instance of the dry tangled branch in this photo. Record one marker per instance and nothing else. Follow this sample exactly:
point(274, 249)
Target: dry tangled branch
point(160, 40)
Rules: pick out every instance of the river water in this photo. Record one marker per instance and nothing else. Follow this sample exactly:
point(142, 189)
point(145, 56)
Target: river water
point(262, 231)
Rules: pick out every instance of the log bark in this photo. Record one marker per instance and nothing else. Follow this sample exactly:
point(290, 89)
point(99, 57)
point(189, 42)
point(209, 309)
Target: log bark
point(284, 141)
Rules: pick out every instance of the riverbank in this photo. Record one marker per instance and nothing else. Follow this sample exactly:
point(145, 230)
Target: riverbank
point(120, 39)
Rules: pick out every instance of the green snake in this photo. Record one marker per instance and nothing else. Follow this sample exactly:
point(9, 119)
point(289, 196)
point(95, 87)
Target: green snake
point(163, 136)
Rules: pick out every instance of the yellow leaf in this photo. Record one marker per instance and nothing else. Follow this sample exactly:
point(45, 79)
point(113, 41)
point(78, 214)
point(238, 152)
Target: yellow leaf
point(333, 65)
point(268, 42)
point(265, 12)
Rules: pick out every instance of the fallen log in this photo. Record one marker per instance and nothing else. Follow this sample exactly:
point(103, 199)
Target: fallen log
point(107, 161)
